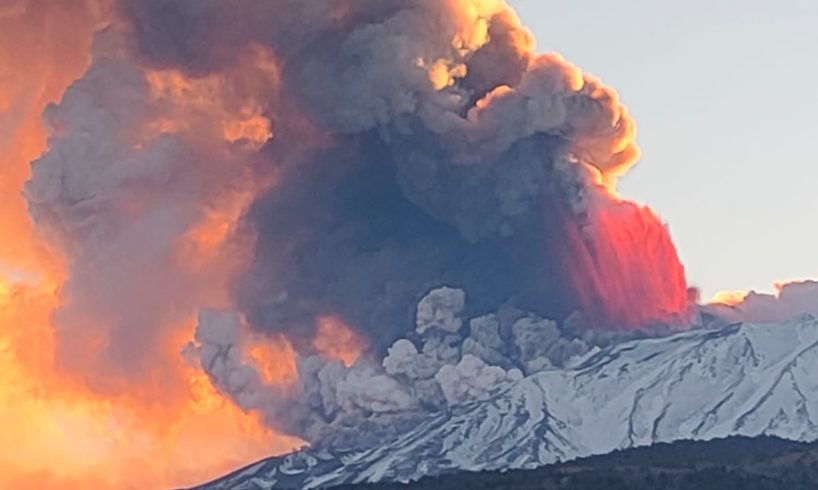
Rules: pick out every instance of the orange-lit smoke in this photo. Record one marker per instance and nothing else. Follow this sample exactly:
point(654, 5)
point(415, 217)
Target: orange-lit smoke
point(736, 297)
point(729, 298)
point(789, 299)
point(618, 257)
point(335, 340)
point(168, 426)
point(171, 428)
point(274, 359)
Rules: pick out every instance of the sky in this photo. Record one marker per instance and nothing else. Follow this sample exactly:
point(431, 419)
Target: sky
point(725, 100)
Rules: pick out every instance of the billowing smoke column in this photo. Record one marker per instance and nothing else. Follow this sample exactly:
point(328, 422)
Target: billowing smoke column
point(136, 163)
point(423, 143)
point(100, 293)
point(415, 144)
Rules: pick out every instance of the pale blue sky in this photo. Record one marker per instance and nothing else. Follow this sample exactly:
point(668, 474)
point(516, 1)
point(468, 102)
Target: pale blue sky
point(725, 95)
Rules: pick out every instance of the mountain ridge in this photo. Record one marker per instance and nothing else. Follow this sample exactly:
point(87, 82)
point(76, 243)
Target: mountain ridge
point(738, 462)
point(742, 379)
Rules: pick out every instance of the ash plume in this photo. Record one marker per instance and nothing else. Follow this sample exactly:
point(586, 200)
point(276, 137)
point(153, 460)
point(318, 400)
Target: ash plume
point(120, 193)
point(443, 141)
point(414, 144)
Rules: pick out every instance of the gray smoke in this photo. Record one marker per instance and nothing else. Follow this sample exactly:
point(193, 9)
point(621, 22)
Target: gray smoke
point(421, 143)
point(116, 193)
point(448, 360)
point(417, 143)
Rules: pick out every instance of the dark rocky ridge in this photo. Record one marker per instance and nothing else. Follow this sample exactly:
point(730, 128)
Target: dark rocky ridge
point(760, 463)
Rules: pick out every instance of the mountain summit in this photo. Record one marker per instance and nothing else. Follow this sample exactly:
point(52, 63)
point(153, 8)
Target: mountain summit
point(743, 379)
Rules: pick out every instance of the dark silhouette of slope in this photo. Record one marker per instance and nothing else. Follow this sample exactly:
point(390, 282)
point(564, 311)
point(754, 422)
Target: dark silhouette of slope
point(740, 463)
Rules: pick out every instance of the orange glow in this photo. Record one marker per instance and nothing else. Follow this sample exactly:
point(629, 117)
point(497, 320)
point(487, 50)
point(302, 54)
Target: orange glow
point(255, 129)
point(729, 298)
point(442, 74)
point(171, 427)
point(56, 430)
point(735, 298)
point(336, 340)
point(206, 243)
point(612, 150)
point(780, 284)
point(78, 440)
point(198, 104)
point(275, 361)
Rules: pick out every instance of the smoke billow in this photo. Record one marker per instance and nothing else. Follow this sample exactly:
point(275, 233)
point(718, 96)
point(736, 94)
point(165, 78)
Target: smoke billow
point(411, 145)
point(143, 416)
point(789, 300)
point(446, 150)
point(121, 193)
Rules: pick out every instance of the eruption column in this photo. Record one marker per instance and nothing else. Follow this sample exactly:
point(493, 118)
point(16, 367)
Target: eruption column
point(314, 168)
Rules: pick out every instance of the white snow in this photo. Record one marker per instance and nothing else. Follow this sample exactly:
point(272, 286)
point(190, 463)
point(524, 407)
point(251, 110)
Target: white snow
point(740, 380)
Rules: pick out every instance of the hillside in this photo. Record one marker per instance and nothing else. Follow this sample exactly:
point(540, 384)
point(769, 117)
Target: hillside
point(742, 380)
point(761, 463)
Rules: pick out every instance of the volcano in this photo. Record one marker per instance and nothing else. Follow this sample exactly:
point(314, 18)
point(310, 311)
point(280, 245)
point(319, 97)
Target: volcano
point(387, 230)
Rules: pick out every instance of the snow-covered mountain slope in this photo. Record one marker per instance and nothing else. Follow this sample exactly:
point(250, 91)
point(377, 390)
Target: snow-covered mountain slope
point(702, 384)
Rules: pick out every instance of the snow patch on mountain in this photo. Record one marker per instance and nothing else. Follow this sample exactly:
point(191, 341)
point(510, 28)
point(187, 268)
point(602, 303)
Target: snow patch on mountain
point(744, 379)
